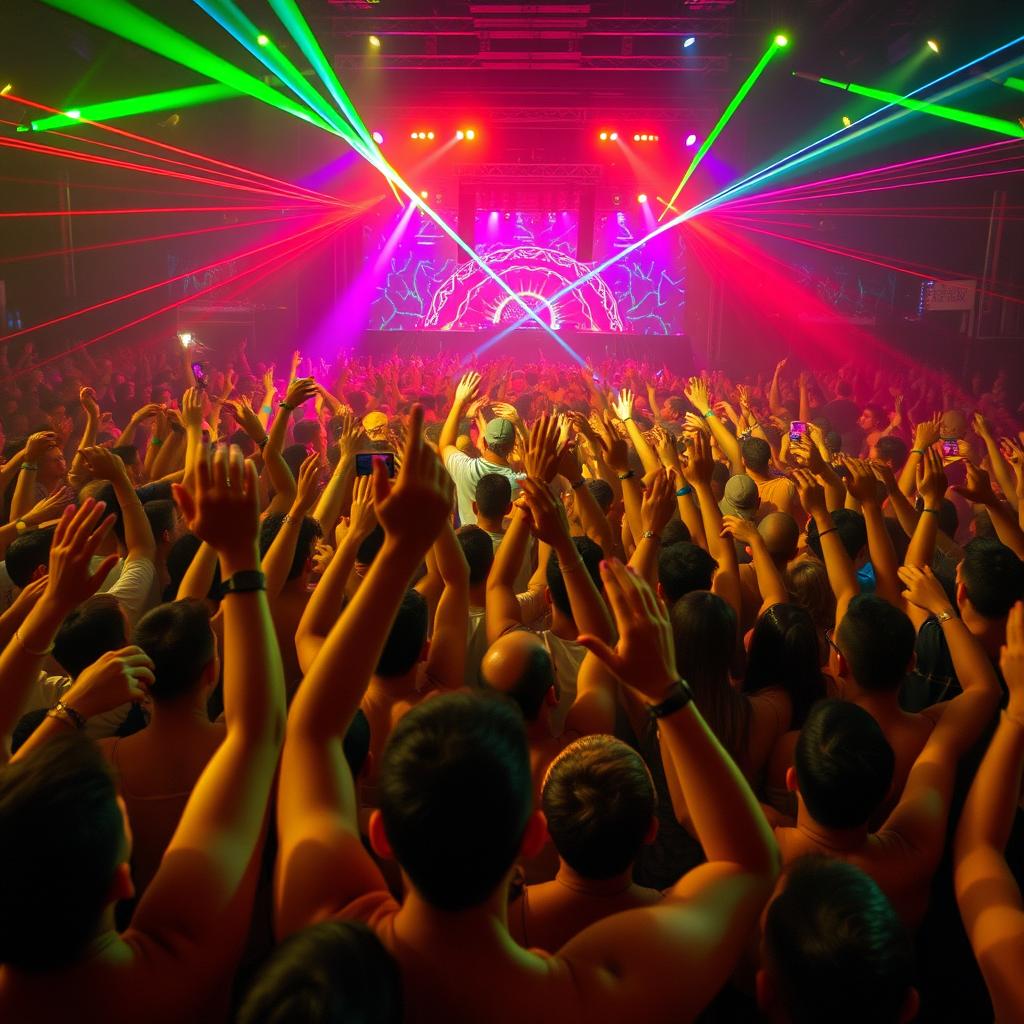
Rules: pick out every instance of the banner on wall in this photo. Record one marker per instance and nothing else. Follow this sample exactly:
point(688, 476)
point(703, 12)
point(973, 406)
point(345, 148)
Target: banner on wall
point(950, 295)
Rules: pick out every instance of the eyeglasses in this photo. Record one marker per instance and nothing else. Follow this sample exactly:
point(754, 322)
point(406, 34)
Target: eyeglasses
point(831, 642)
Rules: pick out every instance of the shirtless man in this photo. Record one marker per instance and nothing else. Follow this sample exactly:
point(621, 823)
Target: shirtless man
point(456, 811)
point(178, 958)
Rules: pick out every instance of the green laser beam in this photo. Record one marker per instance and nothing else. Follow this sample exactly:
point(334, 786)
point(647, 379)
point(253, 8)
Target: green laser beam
point(727, 114)
point(1014, 83)
point(120, 18)
point(110, 110)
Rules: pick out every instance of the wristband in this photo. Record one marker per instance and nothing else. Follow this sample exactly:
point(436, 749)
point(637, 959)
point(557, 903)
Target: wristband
point(156, 441)
point(30, 466)
point(934, 511)
point(626, 419)
point(628, 475)
point(679, 696)
point(831, 529)
point(684, 491)
point(266, 408)
point(945, 617)
point(650, 535)
point(262, 444)
point(244, 582)
point(62, 713)
point(285, 406)
point(709, 414)
point(917, 451)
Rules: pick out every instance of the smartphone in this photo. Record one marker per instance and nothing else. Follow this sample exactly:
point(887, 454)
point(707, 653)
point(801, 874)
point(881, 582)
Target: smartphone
point(364, 462)
point(797, 430)
point(200, 375)
point(950, 448)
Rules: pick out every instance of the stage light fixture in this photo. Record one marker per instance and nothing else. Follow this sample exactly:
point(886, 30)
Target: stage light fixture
point(846, 121)
point(377, 137)
point(262, 39)
point(470, 134)
point(643, 138)
point(691, 139)
point(423, 193)
point(186, 338)
point(642, 198)
point(374, 41)
point(688, 41)
point(603, 136)
point(636, 137)
point(6, 89)
point(781, 40)
point(614, 136)
point(430, 135)
point(933, 45)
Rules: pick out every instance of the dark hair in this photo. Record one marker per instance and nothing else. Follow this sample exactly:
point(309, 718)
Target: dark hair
point(162, 516)
point(784, 652)
point(127, 453)
point(60, 821)
point(844, 388)
point(370, 545)
point(27, 553)
point(877, 640)
point(306, 432)
point(404, 644)
point(675, 532)
point(591, 554)
point(598, 800)
point(178, 637)
point(850, 526)
point(704, 631)
point(892, 449)
point(808, 586)
point(993, 577)
point(478, 548)
point(493, 495)
point(684, 568)
point(295, 455)
point(533, 684)
point(455, 794)
point(844, 764)
point(602, 493)
point(334, 972)
point(179, 558)
point(836, 947)
point(96, 626)
point(757, 454)
point(309, 532)
point(356, 744)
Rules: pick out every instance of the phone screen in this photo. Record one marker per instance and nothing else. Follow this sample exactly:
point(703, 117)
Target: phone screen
point(797, 430)
point(950, 449)
point(200, 375)
point(364, 462)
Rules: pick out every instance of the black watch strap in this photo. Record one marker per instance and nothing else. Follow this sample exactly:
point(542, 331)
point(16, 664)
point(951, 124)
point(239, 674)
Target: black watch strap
point(679, 695)
point(244, 582)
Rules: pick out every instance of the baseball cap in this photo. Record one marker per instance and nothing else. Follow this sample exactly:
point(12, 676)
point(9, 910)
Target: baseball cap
point(740, 497)
point(375, 420)
point(499, 432)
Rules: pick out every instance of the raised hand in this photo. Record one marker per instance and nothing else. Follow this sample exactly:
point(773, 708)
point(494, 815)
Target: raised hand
point(623, 404)
point(300, 390)
point(115, 678)
point(1011, 661)
point(542, 452)
point(977, 487)
point(308, 486)
point(861, 482)
point(659, 502)
point(39, 444)
point(744, 530)
point(931, 479)
point(614, 449)
point(102, 463)
point(413, 510)
point(224, 509)
point(981, 426)
point(362, 516)
point(644, 657)
point(466, 389)
point(76, 539)
point(247, 419)
point(50, 507)
point(546, 516)
point(192, 409)
point(699, 464)
point(87, 400)
point(923, 589)
point(696, 391)
point(810, 492)
point(926, 433)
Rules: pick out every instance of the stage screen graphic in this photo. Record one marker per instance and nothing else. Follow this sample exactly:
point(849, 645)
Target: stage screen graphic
point(420, 286)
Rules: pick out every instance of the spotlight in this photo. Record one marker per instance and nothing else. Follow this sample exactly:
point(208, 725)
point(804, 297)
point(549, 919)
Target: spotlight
point(846, 121)
point(636, 138)
point(781, 40)
point(6, 89)
point(460, 135)
point(688, 41)
point(73, 113)
point(186, 338)
point(262, 39)
point(430, 135)
point(933, 45)
point(413, 135)
point(614, 136)
point(642, 198)
point(691, 139)
point(603, 136)
point(643, 138)
point(470, 134)
point(423, 193)
point(374, 41)
point(377, 137)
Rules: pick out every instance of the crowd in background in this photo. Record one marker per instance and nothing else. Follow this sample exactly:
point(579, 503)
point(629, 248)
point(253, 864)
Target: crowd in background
point(401, 690)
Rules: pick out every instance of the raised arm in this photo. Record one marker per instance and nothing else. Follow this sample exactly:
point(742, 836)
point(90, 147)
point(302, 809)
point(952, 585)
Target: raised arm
point(623, 408)
point(78, 472)
point(277, 562)
point(204, 886)
point(1001, 469)
point(926, 434)
point(668, 961)
point(321, 863)
point(281, 478)
point(655, 512)
point(978, 489)
point(465, 392)
point(138, 534)
point(446, 659)
point(931, 485)
point(697, 393)
point(863, 485)
point(770, 584)
point(986, 889)
point(24, 496)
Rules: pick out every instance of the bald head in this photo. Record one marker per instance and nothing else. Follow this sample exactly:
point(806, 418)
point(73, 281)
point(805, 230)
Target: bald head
point(781, 536)
point(519, 666)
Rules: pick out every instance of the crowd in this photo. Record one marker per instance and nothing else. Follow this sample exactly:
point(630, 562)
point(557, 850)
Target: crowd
point(381, 692)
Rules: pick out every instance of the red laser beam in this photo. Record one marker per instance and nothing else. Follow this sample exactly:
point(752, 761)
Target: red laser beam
point(150, 287)
point(856, 254)
point(177, 149)
point(75, 250)
point(150, 209)
point(164, 309)
point(163, 172)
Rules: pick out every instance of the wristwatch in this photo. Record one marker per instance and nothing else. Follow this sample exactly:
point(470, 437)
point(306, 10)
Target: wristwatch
point(244, 582)
point(945, 616)
point(678, 697)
